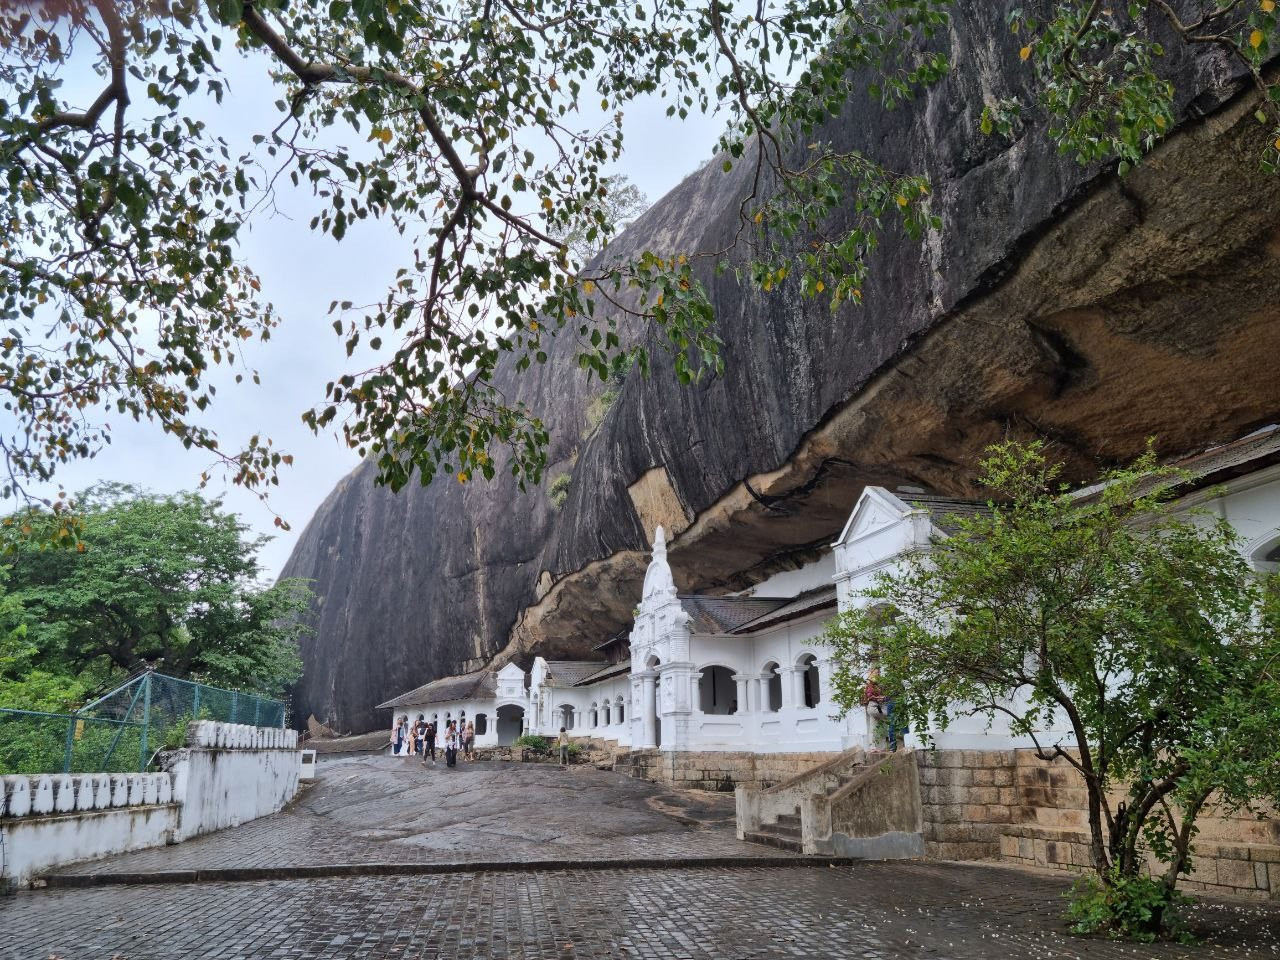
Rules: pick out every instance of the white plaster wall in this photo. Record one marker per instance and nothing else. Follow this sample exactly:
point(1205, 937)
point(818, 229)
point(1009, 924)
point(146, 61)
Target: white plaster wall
point(791, 583)
point(34, 845)
point(228, 774)
point(228, 787)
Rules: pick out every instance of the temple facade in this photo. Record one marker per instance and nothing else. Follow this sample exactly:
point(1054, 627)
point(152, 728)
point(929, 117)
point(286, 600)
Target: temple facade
point(746, 674)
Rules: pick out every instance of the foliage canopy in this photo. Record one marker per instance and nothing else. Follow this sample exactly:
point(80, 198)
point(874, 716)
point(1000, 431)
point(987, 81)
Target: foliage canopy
point(1124, 638)
point(483, 131)
point(165, 581)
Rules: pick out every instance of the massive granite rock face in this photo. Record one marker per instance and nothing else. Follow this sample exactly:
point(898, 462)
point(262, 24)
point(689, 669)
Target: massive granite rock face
point(1056, 301)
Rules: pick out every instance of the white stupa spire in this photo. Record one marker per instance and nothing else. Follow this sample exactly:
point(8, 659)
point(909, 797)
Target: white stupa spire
point(657, 578)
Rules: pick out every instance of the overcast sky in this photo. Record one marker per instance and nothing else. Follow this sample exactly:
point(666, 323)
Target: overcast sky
point(302, 273)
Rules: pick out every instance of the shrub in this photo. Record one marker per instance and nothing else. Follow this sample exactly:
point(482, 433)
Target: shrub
point(1135, 907)
point(558, 490)
point(532, 741)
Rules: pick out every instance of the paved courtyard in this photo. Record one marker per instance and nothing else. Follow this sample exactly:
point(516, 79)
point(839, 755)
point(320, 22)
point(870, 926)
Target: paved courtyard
point(386, 810)
point(375, 811)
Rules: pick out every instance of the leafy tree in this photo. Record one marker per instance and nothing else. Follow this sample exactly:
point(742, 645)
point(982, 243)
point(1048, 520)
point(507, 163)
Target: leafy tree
point(1098, 69)
point(167, 581)
point(480, 130)
point(621, 201)
point(1140, 629)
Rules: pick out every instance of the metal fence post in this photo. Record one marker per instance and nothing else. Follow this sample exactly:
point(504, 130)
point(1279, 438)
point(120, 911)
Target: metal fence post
point(195, 706)
point(71, 736)
point(235, 703)
point(257, 706)
point(146, 720)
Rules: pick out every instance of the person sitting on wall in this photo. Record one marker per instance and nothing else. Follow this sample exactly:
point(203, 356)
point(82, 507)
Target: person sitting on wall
point(876, 703)
point(563, 742)
point(880, 712)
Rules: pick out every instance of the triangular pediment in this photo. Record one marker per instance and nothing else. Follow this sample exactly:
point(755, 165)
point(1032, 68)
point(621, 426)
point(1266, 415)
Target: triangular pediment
point(875, 510)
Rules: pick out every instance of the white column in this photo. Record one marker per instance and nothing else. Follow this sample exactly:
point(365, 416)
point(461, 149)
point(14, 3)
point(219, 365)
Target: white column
point(648, 710)
point(743, 705)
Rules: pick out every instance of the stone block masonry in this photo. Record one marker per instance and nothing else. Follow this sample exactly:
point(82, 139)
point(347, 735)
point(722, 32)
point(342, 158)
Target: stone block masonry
point(227, 774)
point(1011, 805)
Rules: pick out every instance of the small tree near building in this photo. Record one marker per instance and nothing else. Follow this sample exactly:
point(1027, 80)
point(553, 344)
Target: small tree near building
point(1139, 628)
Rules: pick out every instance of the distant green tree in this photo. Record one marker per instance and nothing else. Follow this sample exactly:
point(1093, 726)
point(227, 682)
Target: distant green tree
point(1140, 628)
point(166, 581)
point(619, 203)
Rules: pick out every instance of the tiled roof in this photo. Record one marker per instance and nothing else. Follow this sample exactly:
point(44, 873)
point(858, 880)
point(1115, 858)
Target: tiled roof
point(565, 673)
point(944, 511)
point(481, 685)
point(810, 601)
point(612, 670)
point(727, 614)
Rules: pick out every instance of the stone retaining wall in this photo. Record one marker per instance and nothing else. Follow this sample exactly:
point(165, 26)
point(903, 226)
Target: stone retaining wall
point(984, 804)
point(717, 770)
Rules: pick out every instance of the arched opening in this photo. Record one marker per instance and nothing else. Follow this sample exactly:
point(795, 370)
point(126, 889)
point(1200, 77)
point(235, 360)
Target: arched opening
point(566, 716)
point(510, 724)
point(809, 665)
point(618, 709)
point(717, 693)
point(605, 717)
point(482, 724)
point(772, 688)
point(595, 714)
point(1267, 557)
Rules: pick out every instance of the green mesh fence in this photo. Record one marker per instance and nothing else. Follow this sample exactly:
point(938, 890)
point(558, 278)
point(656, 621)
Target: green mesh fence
point(121, 731)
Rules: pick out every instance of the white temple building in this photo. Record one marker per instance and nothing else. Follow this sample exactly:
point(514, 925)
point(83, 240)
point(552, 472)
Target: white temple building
point(747, 673)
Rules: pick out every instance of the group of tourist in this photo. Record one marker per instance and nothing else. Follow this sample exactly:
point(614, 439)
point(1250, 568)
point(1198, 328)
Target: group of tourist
point(420, 739)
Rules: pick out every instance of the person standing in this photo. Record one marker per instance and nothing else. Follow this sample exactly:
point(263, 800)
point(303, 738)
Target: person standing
point(430, 747)
point(451, 745)
point(469, 742)
point(419, 735)
point(563, 743)
point(398, 736)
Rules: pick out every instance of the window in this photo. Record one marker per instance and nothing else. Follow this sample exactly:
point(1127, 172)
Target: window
point(482, 724)
point(717, 693)
point(809, 664)
point(606, 713)
point(620, 711)
point(1267, 557)
point(595, 715)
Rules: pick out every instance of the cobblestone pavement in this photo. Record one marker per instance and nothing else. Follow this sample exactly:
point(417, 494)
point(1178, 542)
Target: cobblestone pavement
point(869, 910)
point(386, 810)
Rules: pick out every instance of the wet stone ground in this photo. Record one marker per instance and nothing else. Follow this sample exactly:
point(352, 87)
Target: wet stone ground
point(387, 810)
point(376, 810)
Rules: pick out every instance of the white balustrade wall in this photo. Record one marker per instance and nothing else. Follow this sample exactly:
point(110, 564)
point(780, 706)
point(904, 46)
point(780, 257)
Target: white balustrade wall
point(228, 774)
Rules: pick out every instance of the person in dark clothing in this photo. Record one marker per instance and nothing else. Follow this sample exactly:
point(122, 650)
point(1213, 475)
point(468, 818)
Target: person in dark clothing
point(430, 747)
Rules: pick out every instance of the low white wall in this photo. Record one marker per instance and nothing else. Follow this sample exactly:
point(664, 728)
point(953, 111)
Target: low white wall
point(225, 786)
point(229, 773)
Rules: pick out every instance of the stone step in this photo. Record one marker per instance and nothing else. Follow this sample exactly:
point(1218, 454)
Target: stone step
point(781, 829)
point(775, 840)
point(789, 819)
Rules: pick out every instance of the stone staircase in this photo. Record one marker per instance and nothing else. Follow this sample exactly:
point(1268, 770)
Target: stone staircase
point(857, 804)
